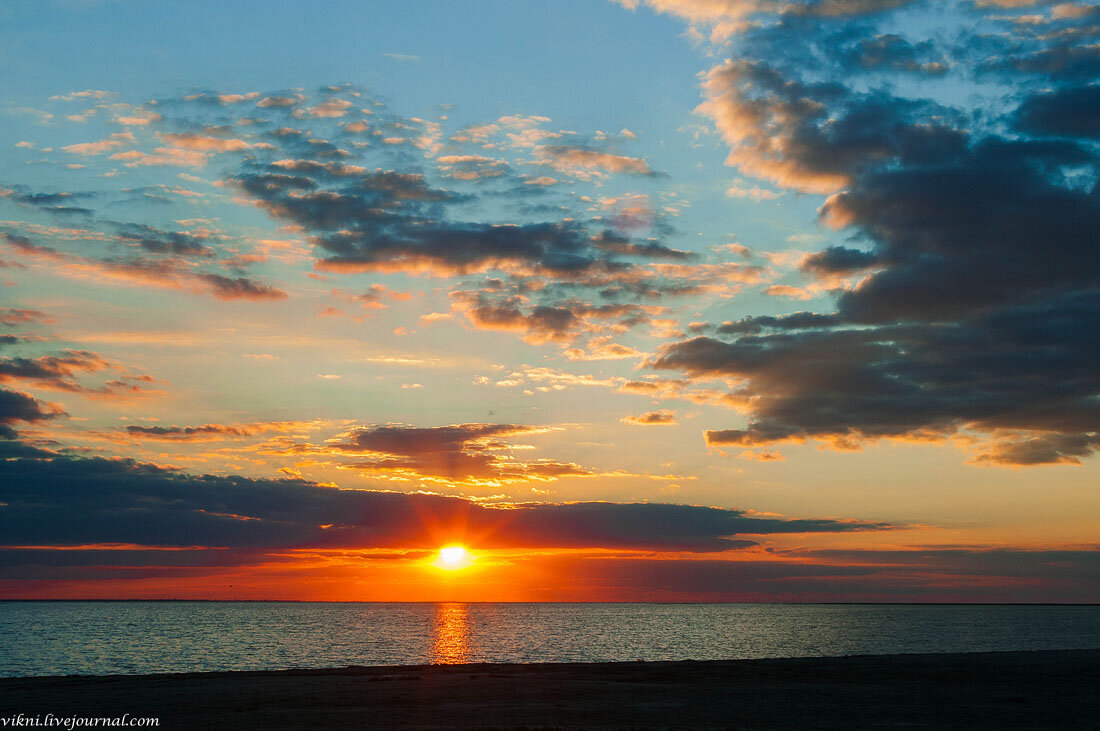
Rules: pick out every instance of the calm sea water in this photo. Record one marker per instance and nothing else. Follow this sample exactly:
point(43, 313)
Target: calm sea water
point(63, 638)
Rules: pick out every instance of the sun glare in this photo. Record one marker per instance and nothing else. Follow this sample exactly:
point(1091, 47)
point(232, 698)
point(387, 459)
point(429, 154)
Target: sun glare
point(453, 557)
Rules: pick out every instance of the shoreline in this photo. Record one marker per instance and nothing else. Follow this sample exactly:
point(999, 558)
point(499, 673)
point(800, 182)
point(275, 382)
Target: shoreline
point(1003, 690)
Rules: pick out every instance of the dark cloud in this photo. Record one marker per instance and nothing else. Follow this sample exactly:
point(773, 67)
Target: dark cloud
point(1023, 369)
point(18, 406)
point(843, 8)
point(380, 209)
point(1072, 111)
point(496, 309)
point(167, 261)
point(212, 432)
point(1060, 62)
point(378, 192)
point(459, 453)
point(974, 314)
point(389, 221)
point(62, 372)
point(612, 242)
point(920, 574)
point(51, 498)
point(817, 135)
point(189, 433)
point(241, 288)
point(54, 371)
point(55, 203)
point(164, 242)
point(838, 260)
point(793, 321)
point(890, 52)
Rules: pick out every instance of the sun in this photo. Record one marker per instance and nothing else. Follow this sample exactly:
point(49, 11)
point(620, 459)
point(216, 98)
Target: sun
point(453, 557)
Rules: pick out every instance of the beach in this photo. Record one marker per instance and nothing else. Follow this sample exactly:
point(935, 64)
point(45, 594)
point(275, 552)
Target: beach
point(994, 690)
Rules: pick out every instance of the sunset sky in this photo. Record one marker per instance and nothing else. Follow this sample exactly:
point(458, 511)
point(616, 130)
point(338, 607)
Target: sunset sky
point(706, 300)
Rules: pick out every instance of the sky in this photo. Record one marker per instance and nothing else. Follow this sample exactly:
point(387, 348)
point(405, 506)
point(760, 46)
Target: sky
point(646, 300)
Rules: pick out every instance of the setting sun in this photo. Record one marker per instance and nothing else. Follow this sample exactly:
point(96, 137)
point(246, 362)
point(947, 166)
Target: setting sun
point(453, 557)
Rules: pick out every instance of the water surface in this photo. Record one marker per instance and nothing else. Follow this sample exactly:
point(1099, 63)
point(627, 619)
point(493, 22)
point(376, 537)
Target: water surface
point(64, 638)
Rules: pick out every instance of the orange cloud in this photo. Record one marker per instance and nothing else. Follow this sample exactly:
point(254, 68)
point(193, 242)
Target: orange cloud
point(652, 418)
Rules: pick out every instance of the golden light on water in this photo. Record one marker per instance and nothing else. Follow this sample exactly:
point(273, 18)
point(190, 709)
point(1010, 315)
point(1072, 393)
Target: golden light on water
point(453, 557)
point(450, 634)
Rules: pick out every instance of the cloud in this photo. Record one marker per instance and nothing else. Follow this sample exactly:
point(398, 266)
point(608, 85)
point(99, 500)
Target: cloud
point(52, 371)
point(1061, 61)
point(19, 406)
point(652, 418)
point(169, 268)
point(1072, 111)
point(891, 52)
point(164, 242)
point(838, 260)
point(918, 574)
point(12, 316)
point(583, 162)
point(86, 94)
point(328, 108)
point(602, 348)
point(203, 143)
point(472, 167)
point(756, 193)
point(1035, 448)
point(725, 18)
point(279, 101)
point(456, 454)
point(51, 498)
point(845, 385)
point(560, 323)
point(53, 203)
point(969, 320)
point(230, 288)
point(428, 207)
point(168, 156)
point(212, 432)
point(815, 136)
point(115, 141)
point(64, 370)
point(610, 241)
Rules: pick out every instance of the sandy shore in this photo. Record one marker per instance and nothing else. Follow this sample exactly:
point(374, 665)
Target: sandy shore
point(1005, 690)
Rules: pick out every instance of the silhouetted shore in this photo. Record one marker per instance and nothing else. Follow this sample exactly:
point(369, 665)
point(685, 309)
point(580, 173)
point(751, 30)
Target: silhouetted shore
point(1003, 690)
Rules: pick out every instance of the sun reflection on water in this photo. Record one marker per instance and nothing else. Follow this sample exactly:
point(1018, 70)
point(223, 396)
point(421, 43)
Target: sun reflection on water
point(450, 633)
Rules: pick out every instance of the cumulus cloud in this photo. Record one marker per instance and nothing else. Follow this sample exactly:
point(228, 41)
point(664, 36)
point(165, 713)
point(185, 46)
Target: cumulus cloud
point(583, 162)
point(115, 141)
point(19, 406)
point(652, 418)
point(367, 204)
point(52, 371)
point(975, 259)
point(460, 453)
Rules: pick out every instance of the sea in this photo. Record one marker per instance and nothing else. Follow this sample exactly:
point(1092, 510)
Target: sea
point(135, 637)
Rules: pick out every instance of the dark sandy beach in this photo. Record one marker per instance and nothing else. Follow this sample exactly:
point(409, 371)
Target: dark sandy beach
point(1005, 690)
